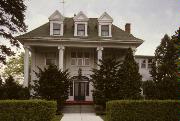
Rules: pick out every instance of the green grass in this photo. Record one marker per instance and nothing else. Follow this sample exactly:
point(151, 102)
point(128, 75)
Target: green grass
point(57, 118)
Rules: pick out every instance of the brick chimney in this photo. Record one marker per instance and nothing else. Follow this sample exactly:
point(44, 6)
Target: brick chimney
point(128, 28)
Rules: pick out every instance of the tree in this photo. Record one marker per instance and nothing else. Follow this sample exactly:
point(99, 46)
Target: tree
point(12, 22)
point(53, 84)
point(131, 80)
point(164, 69)
point(15, 66)
point(105, 82)
point(12, 90)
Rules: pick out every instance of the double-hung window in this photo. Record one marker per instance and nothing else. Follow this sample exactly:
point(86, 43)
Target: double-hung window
point(143, 63)
point(50, 59)
point(104, 30)
point(81, 29)
point(150, 63)
point(56, 28)
point(80, 58)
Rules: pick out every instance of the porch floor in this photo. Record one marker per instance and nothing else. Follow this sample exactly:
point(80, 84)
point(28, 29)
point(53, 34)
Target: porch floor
point(79, 103)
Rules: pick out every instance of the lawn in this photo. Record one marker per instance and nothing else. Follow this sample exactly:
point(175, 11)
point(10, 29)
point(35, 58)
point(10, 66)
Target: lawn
point(57, 118)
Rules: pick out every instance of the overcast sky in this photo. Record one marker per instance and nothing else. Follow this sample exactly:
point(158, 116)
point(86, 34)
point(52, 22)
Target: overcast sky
point(150, 19)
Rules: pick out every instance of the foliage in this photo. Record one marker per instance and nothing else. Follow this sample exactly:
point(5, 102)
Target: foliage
point(12, 90)
point(131, 78)
point(105, 81)
point(14, 66)
point(143, 110)
point(52, 84)
point(27, 110)
point(164, 69)
point(149, 89)
point(12, 22)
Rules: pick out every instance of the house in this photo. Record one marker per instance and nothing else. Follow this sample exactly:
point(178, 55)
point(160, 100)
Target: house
point(75, 43)
point(145, 64)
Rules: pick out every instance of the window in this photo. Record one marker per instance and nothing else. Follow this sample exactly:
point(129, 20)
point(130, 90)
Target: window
point(81, 29)
point(56, 28)
point(104, 30)
point(150, 63)
point(80, 58)
point(86, 59)
point(50, 62)
point(143, 64)
point(73, 58)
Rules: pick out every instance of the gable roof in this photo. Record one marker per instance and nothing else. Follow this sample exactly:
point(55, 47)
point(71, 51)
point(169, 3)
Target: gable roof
point(44, 31)
point(81, 16)
point(56, 16)
point(105, 17)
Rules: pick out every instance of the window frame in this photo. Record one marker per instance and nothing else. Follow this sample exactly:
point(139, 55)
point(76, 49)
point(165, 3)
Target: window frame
point(144, 64)
point(105, 31)
point(56, 29)
point(81, 30)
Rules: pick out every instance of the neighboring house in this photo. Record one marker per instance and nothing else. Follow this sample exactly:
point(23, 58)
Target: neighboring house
point(145, 64)
point(74, 43)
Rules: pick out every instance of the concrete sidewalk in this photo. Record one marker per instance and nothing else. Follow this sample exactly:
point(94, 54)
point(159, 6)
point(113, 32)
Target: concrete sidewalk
point(80, 113)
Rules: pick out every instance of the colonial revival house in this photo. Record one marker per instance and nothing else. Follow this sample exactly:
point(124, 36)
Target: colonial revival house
point(75, 42)
point(145, 64)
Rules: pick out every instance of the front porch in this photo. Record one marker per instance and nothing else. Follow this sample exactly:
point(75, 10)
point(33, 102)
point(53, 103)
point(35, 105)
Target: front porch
point(73, 59)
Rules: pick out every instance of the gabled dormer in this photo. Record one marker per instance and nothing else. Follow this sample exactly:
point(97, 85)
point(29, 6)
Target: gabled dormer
point(80, 24)
point(105, 25)
point(56, 24)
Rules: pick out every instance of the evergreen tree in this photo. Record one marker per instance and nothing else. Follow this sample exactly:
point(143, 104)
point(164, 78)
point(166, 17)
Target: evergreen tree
point(53, 84)
point(12, 22)
point(13, 90)
point(105, 82)
point(164, 69)
point(130, 78)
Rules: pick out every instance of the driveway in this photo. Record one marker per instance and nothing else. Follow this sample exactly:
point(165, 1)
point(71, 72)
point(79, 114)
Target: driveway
point(79, 113)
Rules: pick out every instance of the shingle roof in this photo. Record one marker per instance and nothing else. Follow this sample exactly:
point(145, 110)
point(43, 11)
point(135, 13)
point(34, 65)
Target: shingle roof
point(44, 31)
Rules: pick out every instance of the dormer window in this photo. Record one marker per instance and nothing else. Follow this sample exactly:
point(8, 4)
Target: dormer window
point(105, 25)
point(105, 30)
point(81, 29)
point(80, 24)
point(56, 28)
point(56, 24)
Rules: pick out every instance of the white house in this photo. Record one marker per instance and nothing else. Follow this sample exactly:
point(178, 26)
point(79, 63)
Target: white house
point(76, 42)
point(145, 64)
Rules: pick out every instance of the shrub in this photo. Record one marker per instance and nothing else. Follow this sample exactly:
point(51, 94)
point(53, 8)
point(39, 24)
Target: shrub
point(149, 110)
point(27, 110)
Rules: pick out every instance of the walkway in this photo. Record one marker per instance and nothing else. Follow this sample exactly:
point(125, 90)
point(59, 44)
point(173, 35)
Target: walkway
point(80, 113)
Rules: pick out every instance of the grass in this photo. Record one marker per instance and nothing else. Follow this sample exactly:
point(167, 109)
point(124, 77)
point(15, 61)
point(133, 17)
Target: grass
point(57, 118)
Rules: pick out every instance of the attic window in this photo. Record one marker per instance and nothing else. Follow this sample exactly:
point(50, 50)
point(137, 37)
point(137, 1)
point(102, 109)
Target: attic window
point(81, 29)
point(104, 30)
point(56, 28)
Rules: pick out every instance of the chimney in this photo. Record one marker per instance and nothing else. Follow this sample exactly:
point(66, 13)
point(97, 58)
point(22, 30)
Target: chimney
point(128, 28)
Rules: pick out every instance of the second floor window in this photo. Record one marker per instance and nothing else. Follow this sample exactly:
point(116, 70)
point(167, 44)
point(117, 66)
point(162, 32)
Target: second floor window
point(56, 28)
point(104, 30)
point(81, 29)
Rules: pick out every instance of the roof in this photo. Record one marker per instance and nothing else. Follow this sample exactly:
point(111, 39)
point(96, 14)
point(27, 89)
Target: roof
point(44, 31)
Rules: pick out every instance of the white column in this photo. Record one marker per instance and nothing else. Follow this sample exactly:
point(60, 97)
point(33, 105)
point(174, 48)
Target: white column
point(61, 57)
point(99, 55)
point(26, 66)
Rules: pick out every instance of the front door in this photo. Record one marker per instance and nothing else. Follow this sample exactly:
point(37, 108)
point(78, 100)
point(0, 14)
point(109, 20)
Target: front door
point(79, 91)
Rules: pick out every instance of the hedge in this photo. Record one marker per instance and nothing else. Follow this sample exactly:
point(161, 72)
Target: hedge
point(143, 110)
point(27, 110)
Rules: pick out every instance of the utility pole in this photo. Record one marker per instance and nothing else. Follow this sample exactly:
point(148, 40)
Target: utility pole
point(63, 2)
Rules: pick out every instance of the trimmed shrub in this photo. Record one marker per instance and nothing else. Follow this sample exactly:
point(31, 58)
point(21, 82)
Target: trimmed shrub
point(139, 110)
point(27, 110)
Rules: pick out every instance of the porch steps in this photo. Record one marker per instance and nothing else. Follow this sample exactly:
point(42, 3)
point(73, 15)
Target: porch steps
point(79, 103)
point(78, 109)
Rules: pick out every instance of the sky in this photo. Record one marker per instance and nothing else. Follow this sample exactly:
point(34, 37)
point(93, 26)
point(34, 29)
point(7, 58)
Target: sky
point(150, 19)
